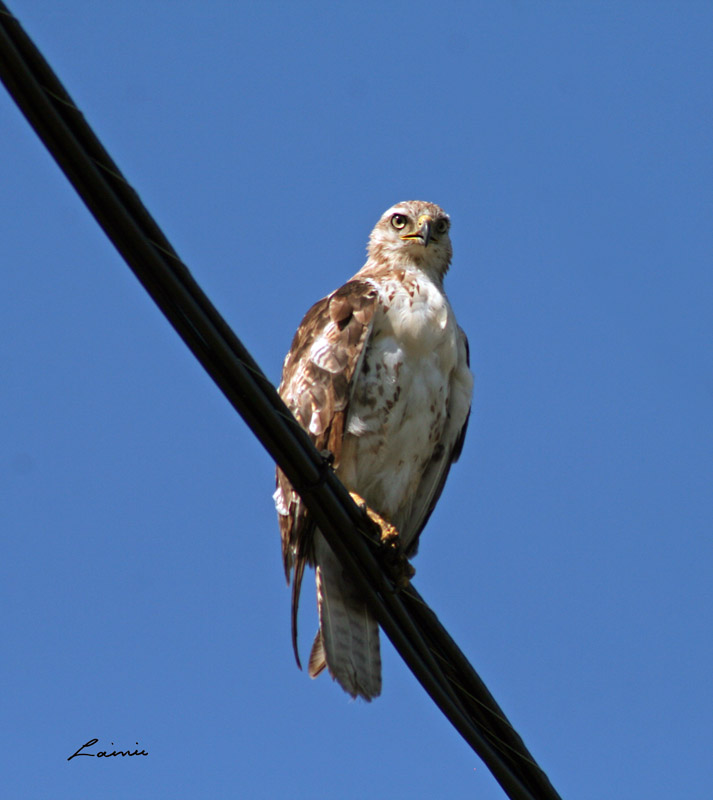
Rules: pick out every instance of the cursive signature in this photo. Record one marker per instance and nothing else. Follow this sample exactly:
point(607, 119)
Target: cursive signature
point(103, 753)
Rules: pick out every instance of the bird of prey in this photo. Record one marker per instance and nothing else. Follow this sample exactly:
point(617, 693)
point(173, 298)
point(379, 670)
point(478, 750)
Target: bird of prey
point(378, 375)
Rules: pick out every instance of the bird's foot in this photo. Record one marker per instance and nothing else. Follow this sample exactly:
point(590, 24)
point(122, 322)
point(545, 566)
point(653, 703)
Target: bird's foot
point(394, 558)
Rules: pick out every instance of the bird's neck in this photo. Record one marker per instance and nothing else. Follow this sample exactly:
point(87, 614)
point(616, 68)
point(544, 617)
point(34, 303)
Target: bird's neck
point(388, 264)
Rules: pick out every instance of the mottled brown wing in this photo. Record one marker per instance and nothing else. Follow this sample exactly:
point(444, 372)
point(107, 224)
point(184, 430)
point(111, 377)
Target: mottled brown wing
point(317, 380)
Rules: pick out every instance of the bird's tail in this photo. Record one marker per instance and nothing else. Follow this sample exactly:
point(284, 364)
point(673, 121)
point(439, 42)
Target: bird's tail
point(347, 642)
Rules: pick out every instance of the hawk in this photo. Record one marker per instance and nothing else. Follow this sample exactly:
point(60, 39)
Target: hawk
point(378, 375)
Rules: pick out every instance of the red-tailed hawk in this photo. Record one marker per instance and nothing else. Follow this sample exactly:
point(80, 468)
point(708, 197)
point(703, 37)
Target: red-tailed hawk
point(378, 375)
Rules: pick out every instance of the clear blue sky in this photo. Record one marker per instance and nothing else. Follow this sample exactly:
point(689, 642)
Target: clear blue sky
point(143, 597)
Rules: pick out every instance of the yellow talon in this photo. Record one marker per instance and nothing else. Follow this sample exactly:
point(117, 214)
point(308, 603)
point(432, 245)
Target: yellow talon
point(395, 560)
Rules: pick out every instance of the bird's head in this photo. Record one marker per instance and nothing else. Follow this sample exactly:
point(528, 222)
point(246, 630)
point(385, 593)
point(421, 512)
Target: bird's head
point(413, 233)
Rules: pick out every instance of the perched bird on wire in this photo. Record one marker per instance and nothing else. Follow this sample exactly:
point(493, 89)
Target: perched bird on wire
point(378, 375)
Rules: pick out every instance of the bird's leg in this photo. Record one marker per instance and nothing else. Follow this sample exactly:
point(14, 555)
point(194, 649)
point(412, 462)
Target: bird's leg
point(394, 557)
point(388, 532)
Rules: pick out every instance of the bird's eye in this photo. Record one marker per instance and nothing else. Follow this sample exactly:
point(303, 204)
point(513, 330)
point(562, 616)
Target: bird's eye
point(398, 221)
point(442, 226)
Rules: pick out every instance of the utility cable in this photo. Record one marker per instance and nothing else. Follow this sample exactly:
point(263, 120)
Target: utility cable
point(413, 628)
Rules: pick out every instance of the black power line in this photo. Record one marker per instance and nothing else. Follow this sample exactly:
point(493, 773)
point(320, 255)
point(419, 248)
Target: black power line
point(423, 643)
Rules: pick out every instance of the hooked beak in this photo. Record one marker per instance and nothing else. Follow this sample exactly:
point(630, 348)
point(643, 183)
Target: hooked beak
point(423, 234)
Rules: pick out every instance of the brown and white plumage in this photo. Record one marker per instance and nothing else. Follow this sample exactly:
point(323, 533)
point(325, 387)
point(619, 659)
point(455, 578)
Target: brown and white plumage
point(378, 375)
